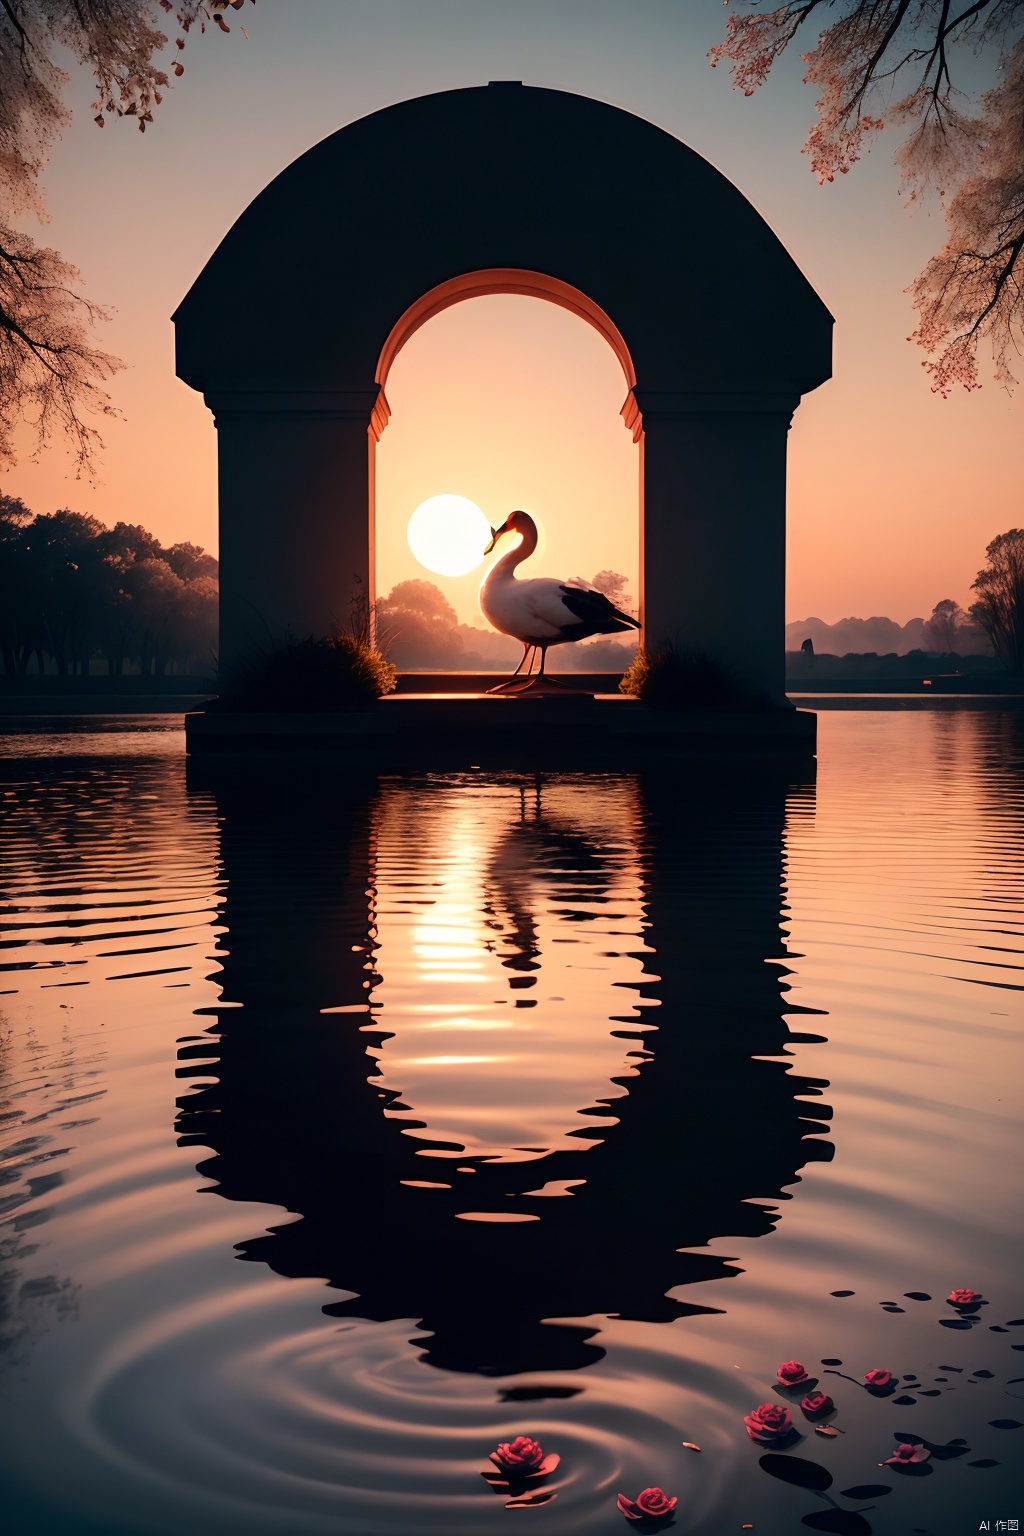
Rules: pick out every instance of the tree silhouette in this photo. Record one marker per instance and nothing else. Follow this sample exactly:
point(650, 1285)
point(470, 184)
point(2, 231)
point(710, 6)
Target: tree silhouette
point(973, 155)
point(615, 588)
point(942, 630)
point(999, 610)
point(71, 589)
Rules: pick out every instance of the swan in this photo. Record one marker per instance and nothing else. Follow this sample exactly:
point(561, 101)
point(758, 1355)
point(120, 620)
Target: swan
point(540, 611)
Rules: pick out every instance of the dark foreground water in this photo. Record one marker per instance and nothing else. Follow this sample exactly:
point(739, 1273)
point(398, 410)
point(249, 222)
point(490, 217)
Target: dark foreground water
point(350, 1127)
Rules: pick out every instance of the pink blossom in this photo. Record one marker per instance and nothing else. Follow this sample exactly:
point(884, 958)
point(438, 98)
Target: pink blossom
point(964, 1297)
point(652, 1504)
point(816, 1403)
point(878, 1378)
point(791, 1373)
point(523, 1457)
point(905, 1455)
point(768, 1422)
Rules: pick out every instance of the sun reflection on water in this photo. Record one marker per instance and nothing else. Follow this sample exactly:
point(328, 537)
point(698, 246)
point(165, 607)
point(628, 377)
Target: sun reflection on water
point(535, 898)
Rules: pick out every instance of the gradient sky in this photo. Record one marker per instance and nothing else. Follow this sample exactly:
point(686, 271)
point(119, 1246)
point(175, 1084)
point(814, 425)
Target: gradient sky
point(894, 493)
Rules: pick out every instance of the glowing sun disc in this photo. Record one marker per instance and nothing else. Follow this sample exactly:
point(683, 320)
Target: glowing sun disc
point(448, 534)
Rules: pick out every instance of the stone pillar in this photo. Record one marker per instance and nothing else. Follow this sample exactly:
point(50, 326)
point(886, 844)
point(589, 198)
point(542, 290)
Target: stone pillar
point(713, 555)
point(296, 524)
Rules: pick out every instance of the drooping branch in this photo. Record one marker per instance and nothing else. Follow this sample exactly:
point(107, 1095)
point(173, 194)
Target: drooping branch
point(972, 154)
point(50, 372)
point(974, 286)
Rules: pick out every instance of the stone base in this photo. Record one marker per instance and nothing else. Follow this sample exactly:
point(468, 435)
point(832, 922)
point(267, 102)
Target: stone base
point(469, 730)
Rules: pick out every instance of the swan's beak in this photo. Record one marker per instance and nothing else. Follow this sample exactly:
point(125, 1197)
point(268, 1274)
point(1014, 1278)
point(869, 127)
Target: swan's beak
point(496, 534)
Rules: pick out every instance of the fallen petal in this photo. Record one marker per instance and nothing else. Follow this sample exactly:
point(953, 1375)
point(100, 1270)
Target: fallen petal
point(688, 1445)
point(825, 1429)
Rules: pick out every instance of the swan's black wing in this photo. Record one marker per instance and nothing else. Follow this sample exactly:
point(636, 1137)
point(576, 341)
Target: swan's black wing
point(596, 614)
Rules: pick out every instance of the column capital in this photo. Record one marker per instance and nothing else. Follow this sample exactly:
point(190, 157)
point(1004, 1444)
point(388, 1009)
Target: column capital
point(368, 406)
point(655, 402)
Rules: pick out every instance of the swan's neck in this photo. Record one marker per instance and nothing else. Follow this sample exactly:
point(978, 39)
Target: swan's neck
point(505, 567)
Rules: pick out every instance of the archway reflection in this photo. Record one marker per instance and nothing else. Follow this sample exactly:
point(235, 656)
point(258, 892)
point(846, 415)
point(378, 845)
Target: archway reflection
point(458, 1158)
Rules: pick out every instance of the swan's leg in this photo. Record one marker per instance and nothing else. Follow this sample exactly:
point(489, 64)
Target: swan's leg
point(524, 682)
point(550, 682)
point(510, 682)
point(540, 682)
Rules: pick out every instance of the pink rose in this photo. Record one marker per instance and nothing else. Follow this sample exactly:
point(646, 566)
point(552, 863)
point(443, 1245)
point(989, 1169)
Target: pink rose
point(815, 1404)
point(791, 1373)
point(652, 1504)
point(905, 1455)
point(768, 1422)
point(523, 1457)
point(963, 1298)
point(878, 1378)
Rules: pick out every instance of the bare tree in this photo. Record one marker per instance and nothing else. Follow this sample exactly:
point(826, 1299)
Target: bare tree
point(50, 371)
point(999, 610)
point(885, 62)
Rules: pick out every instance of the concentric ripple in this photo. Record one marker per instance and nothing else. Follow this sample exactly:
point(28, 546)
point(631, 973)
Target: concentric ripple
point(259, 1421)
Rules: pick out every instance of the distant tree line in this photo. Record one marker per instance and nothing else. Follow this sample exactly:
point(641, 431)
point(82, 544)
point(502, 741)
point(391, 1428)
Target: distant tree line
point(77, 596)
point(949, 631)
point(992, 626)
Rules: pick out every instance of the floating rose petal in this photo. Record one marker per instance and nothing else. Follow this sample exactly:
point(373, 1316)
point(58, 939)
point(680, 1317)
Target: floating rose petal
point(532, 1500)
point(827, 1431)
point(907, 1455)
point(652, 1504)
point(768, 1422)
point(964, 1297)
point(791, 1373)
point(878, 1379)
point(815, 1404)
point(688, 1445)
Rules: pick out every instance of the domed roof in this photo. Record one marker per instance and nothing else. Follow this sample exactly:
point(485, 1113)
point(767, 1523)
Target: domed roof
point(308, 283)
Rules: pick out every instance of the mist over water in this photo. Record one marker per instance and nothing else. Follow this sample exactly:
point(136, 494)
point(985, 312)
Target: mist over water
point(351, 1125)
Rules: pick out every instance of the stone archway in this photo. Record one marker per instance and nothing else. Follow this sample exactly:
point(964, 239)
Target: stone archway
point(291, 327)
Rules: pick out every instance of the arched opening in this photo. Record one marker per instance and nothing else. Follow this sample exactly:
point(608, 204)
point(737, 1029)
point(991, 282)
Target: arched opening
point(509, 403)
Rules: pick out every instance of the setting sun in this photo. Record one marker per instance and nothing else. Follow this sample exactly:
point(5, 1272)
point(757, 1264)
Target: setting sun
point(448, 534)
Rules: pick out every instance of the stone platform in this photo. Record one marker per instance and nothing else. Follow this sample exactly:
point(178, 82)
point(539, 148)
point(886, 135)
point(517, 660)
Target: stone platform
point(446, 730)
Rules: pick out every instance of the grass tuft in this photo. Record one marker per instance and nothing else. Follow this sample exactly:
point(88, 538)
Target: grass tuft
point(669, 679)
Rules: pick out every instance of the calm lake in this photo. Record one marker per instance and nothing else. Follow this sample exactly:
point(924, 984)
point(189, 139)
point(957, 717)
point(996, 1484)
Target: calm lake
point(566, 1106)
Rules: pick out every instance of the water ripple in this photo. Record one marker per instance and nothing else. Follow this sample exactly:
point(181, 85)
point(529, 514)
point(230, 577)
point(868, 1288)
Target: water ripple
point(235, 1290)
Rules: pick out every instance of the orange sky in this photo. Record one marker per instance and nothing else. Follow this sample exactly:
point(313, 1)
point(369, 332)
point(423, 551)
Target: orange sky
point(893, 492)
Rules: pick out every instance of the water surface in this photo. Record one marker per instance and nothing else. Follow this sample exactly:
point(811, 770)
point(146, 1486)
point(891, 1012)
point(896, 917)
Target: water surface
point(353, 1125)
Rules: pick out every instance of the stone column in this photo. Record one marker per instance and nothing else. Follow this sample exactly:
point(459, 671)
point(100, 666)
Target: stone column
point(296, 525)
point(713, 555)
